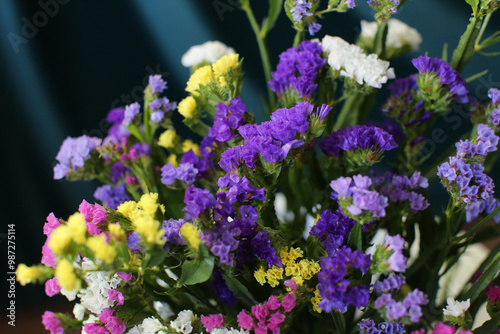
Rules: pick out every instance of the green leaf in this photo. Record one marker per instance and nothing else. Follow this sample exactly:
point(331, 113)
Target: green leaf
point(490, 40)
point(239, 290)
point(483, 280)
point(197, 270)
point(154, 258)
point(466, 45)
point(355, 239)
point(272, 15)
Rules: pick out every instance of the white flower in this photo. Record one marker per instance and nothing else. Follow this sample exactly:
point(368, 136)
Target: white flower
point(69, 294)
point(92, 319)
point(352, 63)
point(399, 34)
point(455, 308)
point(95, 296)
point(163, 309)
point(183, 322)
point(151, 325)
point(135, 330)
point(79, 311)
point(209, 51)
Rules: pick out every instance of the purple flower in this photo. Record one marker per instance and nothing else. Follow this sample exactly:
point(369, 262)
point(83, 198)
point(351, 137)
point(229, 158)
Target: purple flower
point(112, 197)
point(447, 76)
point(358, 137)
point(73, 154)
point(474, 209)
point(118, 171)
point(486, 141)
point(297, 70)
point(392, 283)
point(313, 28)
point(494, 95)
point(300, 9)
point(157, 116)
point(197, 201)
point(224, 294)
point(134, 242)
point(263, 249)
point(350, 3)
point(332, 229)
point(130, 111)
point(172, 230)
point(157, 84)
point(221, 242)
point(227, 119)
point(117, 131)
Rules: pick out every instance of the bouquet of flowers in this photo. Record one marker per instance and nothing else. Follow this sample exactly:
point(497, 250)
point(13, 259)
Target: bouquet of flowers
point(296, 224)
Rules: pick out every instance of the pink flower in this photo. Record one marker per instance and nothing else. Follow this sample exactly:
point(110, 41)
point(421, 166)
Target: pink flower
point(493, 293)
point(111, 322)
point(48, 257)
point(212, 321)
point(275, 320)
point(261, 330)
point(441, 328)
point(94, 215)
point(288, 302)
point(124, 276)
point(95, 328)
point(260, 312)
point(51, 224)
point(245, 320)
point(273, 303)
point(51, 323)
point(291, 284)
point(116, 296)
point(51, 287)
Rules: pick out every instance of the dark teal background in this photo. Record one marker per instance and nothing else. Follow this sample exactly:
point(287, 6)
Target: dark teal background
point(94, 55)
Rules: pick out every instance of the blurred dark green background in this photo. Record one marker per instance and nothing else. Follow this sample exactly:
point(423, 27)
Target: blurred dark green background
point(65, 66)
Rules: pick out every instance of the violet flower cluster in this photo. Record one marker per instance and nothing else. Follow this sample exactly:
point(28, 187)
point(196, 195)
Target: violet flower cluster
point(73, 154)
point(296, 72)
point(332, 229)
point(362, 144)
point(356, 198)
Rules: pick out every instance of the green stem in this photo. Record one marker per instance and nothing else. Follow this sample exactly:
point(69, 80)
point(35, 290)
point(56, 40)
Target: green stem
point(299, 37)
point(380, 39)
point(260, 35)
point(483, 29)
point(465, 48)
point(350, 111)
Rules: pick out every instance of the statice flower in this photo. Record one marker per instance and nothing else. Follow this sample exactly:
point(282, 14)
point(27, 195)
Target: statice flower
point(117, 131)
point(332, 229)
point(221, 241)
point(360, 144)
point(172, 229)
point(94, 215)
point(52, 323)
point(402, 189)
point(351, 62)
point(336, 291)
point(300, 9)
point(368, 326)
point(197, 201)
point(208, 52)
point(227, 119)
point(356, 198)
point(466, 182)
point(473, 210)
point(431, 69)
point(73, 154)
point(384, 8)
point(296, 72)
point(485, 142)
point(456, 309)
point(401, 38)
point(112, 197)
point(130, 112)
point(263, 249)
point(157, 84)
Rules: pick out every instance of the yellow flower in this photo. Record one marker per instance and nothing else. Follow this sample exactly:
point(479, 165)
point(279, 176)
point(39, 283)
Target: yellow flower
point(288, 257)
point(127, 208)
point(191, 234)
point(167, 139)
point(150, 229)
point(25, 274)
point(102, 250)
point(292, 269)
point(187, 107)
point(66, 277)
point(59, 239)
point(260, 275)
point(225, 63)
point(148, 203)
point(315, 301)
point(189, 145)
point(172, 159)
point(202, 76)
point(77, 227)
point(274, 275)
point(116, 232)
point(308, 269)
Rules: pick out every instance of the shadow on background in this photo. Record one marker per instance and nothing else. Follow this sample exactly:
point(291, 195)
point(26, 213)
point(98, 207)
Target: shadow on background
point(66, 63)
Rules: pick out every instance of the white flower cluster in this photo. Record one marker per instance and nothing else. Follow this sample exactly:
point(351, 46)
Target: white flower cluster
point(95, 297)
point(149, 325)
point(456, 308)
point(209, 51)
point(182, 323)
point(399, 34)
point(353, 63)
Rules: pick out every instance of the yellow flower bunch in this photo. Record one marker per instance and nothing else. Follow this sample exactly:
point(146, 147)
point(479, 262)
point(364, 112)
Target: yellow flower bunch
point(202, 76)
point(187, 107)
point(74, 230)
point(168, 139)
point(192, 235)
